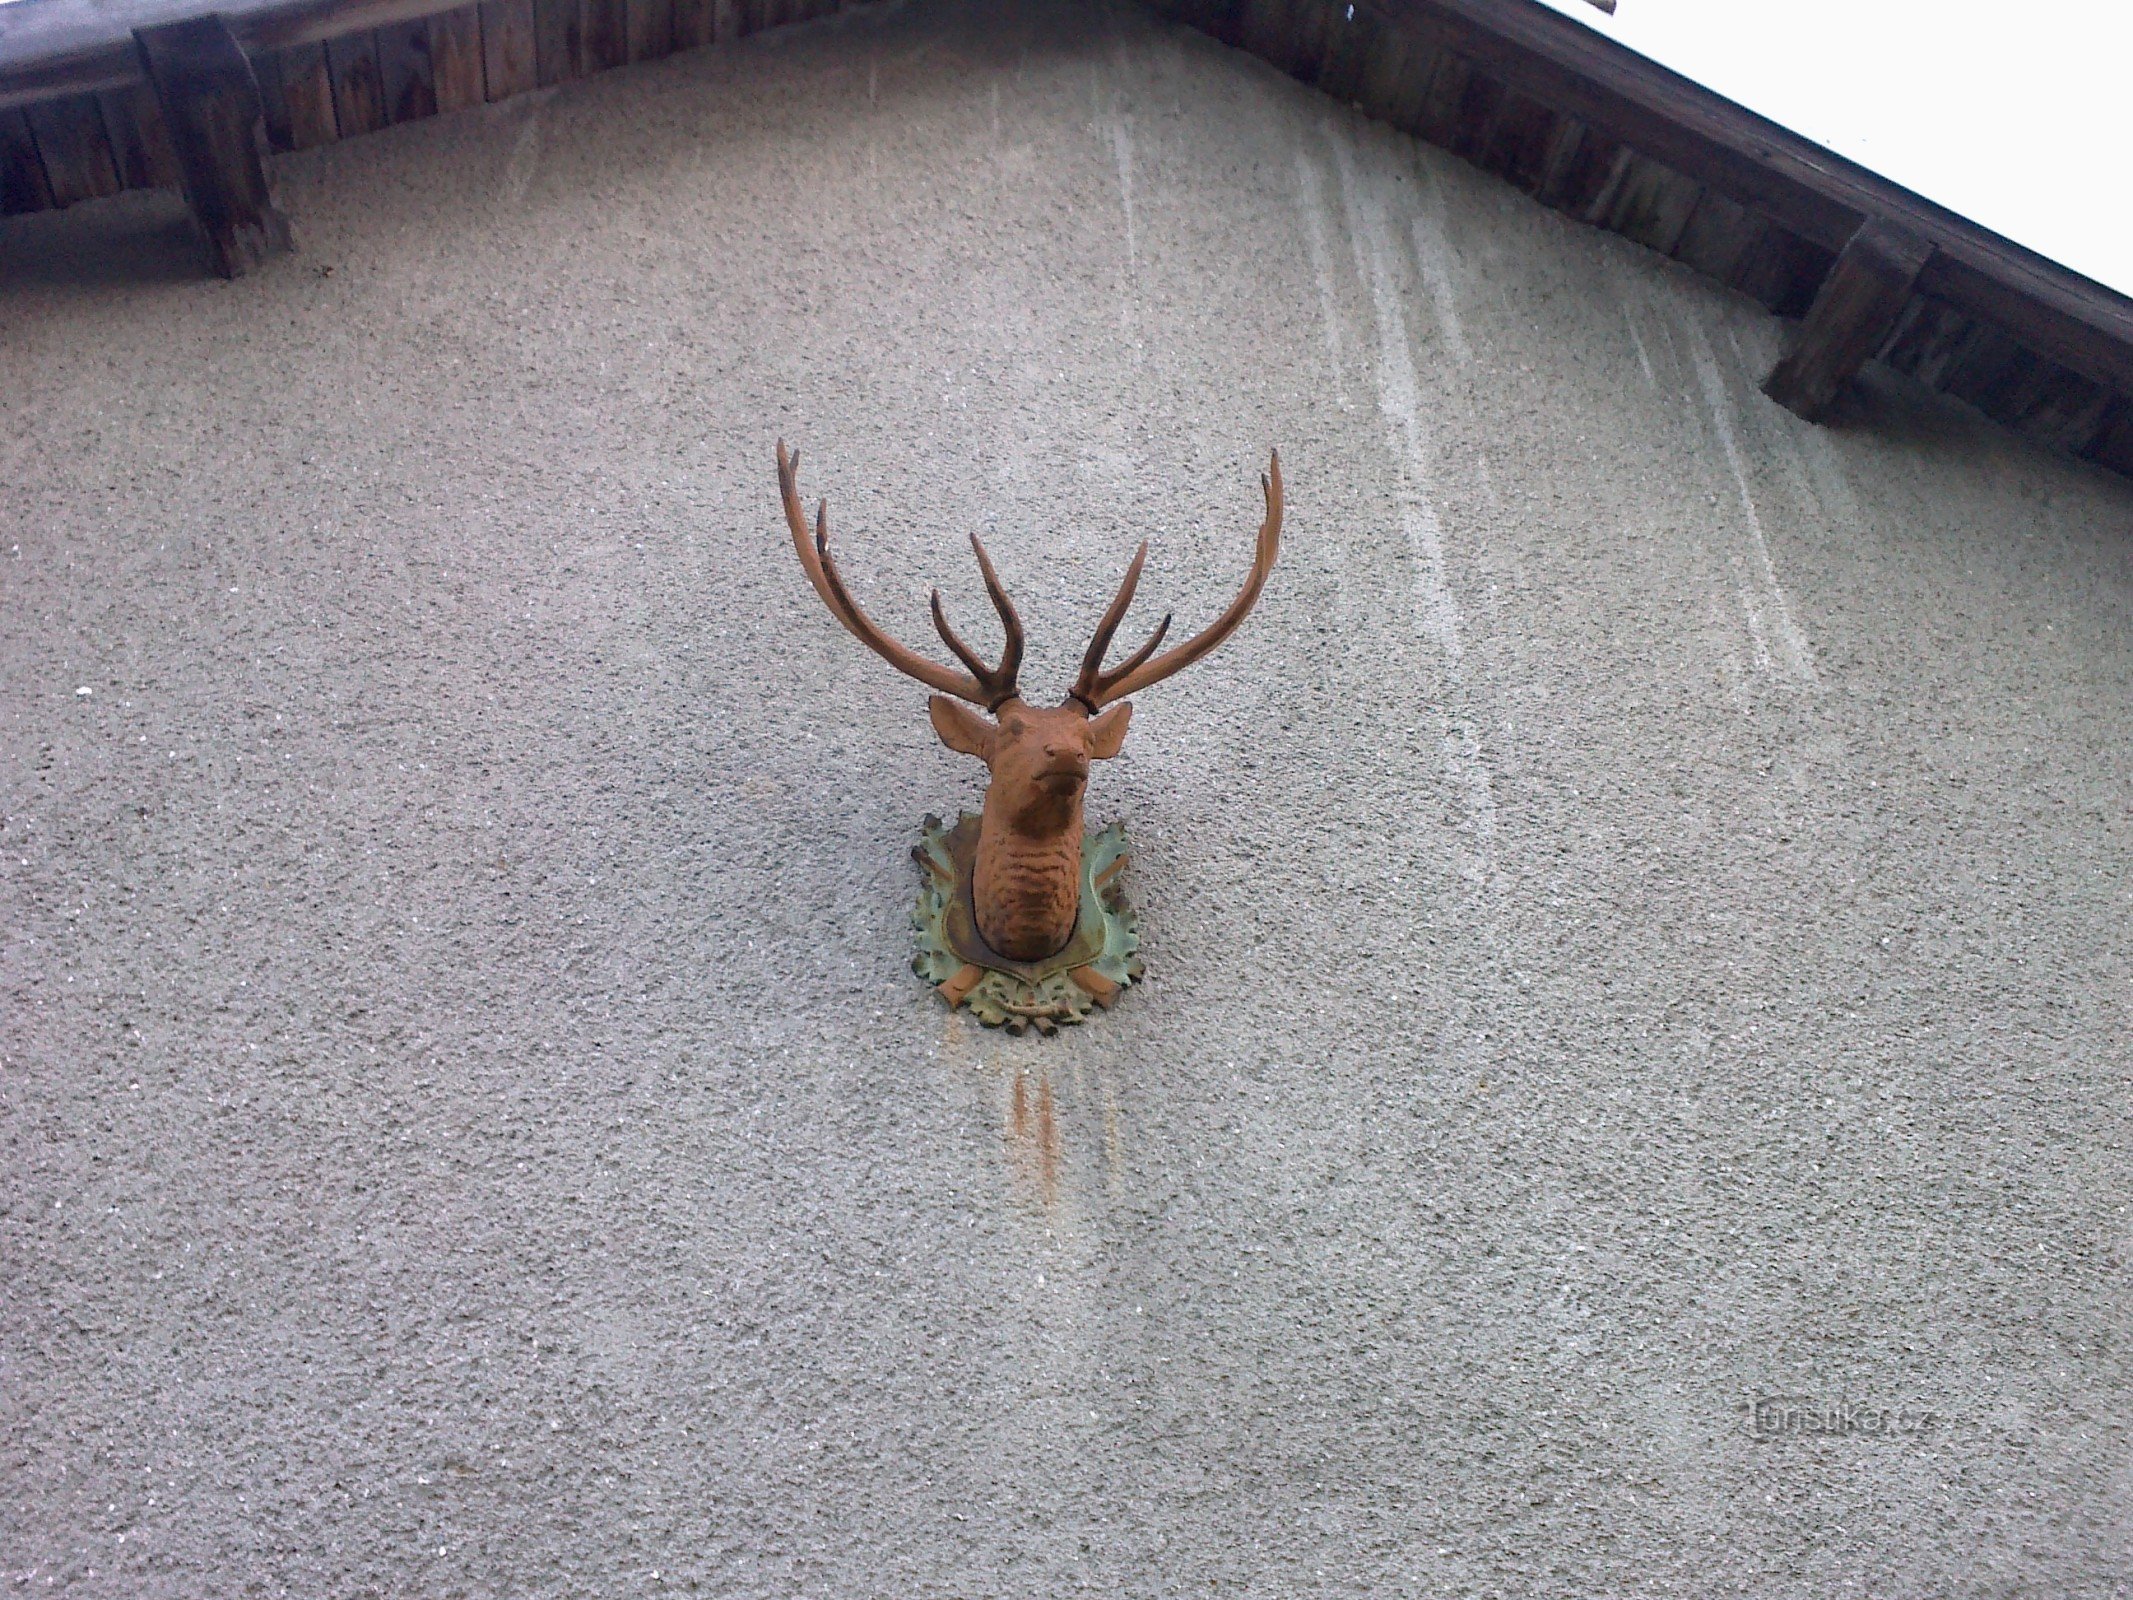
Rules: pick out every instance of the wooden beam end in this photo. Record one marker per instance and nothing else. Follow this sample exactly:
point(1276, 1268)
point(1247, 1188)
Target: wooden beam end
point(1853, 314)
point(217, 121)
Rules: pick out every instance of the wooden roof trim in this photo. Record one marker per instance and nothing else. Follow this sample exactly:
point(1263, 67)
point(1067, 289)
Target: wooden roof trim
point(1816, 193)
point(1855, 313)
point(1655, 111)
point(86, 49)
point(86, 70)
point(1532, 62)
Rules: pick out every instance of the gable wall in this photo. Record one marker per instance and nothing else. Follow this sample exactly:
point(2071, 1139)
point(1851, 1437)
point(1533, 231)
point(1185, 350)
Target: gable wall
point(1634, 919)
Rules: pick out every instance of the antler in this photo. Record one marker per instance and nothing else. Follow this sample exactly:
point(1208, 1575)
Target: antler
point(982, 685)
point(1096, 688)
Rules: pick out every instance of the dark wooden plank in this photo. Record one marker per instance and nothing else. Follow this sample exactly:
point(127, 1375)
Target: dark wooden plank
point(2064, 410)
point(273, 104)
point(2019, 389)
point(2079, 328)
point(558, 50)
point(1481, 100)
point(1765, 271)
point(1900, 349)
point(1584, 170)
point(1221, 18)
point(140, 144)
point(1784, 271)
point(405, 79)
point(1855, 313)
point(604, 30)
point(27, 79)
point(455, 58)
point(1988, 361)
point(77, 151)
point(1564, 143)
point(1437, 111)
point(2112, 444)
point(1388, 85)
point(1519, 145)
point(358, 93)
point(1310, 38)
point(1268, 29)
point(1193, 13)
point(1602, 204)
point(1719, 236)
point(210, 101)
point(695, 23)
point(23, 185)
point(129, 148)
point(509, 58)
point(1930, 337)
point(1652, 204)
point(651, 29)
point(307, 92)
point(1345, 54)
point(1935, 342)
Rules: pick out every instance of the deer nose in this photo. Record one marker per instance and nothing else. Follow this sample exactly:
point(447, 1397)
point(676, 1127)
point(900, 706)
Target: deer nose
point(1065, 759)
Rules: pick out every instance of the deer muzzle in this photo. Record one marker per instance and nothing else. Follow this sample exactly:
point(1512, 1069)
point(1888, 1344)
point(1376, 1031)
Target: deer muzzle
point(1064, 772)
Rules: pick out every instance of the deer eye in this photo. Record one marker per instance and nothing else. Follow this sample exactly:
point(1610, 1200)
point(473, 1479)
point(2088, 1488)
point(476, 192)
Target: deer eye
point(1015, 727)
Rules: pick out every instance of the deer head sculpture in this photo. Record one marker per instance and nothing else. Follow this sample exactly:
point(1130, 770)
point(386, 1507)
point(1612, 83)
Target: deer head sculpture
point(1025, 887)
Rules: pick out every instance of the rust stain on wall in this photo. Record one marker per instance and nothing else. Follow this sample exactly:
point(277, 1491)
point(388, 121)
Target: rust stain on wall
point(1033, 1142)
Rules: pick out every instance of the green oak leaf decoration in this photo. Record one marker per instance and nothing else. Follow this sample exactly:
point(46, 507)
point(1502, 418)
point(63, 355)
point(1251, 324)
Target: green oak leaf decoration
point(1095, 967)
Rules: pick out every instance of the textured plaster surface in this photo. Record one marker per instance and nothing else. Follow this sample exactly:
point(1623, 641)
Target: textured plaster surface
point(1636, 924)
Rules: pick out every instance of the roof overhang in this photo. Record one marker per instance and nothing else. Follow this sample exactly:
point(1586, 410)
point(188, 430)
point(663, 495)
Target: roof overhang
point(99, 95)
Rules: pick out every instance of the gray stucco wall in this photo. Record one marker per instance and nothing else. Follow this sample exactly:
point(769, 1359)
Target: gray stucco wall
point(1636, 924)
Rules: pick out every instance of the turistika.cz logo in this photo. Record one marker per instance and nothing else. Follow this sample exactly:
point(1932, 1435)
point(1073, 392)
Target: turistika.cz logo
point(1793, 1417)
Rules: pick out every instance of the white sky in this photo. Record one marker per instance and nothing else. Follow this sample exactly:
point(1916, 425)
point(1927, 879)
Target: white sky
point(2015, 115)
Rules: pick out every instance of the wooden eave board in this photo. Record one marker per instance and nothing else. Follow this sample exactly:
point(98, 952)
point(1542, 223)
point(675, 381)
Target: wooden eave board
point(1560, 111)
point(1667, 162)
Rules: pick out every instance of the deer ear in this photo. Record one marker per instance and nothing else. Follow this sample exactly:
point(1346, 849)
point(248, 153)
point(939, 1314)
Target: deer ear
point(1107, 731)
point(961, 728)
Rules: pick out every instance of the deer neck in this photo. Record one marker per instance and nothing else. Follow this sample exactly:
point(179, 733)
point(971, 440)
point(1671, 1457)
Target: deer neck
point(1027, 886)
